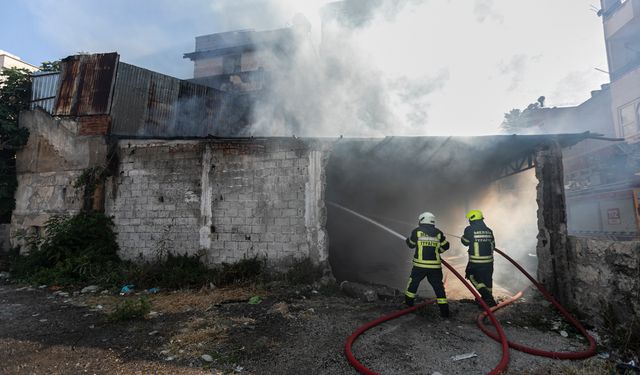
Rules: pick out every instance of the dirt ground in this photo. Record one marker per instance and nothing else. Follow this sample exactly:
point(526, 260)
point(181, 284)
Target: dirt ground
point(292, 331)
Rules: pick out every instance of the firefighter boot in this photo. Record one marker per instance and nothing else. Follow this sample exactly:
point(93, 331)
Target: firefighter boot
point(487, 297)
point(444, 310)
point(409, 301)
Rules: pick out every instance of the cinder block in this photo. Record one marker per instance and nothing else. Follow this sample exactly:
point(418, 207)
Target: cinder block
point(258, 229)
point(289, 212)
point(274, 247)
point(244, 246)
point(282, 237)
point(288, 229)
point(282, 221)
point(231, 245)
point(296, 204)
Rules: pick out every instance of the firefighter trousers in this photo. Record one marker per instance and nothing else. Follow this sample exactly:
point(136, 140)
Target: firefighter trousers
point(481, 276)
point(434, 276)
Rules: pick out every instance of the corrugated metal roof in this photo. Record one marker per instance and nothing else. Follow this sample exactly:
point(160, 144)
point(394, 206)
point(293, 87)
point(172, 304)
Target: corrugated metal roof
point(147, 103)
point(44, 87)
point(139, 101)
point(85, 84)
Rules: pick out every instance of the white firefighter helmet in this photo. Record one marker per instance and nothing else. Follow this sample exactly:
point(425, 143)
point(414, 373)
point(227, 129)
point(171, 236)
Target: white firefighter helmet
point(427, 218)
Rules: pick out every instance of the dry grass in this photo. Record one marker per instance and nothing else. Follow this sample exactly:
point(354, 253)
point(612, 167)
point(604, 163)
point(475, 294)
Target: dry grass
point(203, 300)
point(587, 367)
point(180, 301)
point(198, 335)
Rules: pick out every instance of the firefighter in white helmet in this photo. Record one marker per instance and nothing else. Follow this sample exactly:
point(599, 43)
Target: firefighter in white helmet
point(429, 242)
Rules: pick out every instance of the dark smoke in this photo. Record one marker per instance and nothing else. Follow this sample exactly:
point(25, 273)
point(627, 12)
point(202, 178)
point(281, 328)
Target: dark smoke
point(395, 179)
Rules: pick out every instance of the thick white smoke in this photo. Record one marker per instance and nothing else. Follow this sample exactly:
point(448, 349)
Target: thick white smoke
point(342, 86)
point(416, 67)
point(510, 209)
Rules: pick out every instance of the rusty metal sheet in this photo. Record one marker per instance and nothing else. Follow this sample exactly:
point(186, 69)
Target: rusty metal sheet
point(86, 83)
point(143, 102)
point(44, 86)
point(150, 104)
point(197, 109)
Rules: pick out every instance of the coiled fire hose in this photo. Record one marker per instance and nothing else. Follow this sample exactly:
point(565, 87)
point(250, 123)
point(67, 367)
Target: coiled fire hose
point(504, 360)
point(500, 336)
point(544, 353)
point(526, 349)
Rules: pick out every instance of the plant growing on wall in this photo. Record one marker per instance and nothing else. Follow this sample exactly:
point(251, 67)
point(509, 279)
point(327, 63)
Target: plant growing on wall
point(89, 180)
point(73, 249)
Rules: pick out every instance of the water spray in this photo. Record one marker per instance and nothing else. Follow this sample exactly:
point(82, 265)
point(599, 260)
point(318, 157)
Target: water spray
point(499, 335)
point(504, 360)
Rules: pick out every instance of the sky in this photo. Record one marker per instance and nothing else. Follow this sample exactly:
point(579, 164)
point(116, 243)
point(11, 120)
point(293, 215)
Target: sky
point(461, 64)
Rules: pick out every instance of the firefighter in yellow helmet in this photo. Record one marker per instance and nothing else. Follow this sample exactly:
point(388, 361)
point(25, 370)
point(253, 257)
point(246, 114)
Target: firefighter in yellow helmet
point(479, 238)
point(429, 242)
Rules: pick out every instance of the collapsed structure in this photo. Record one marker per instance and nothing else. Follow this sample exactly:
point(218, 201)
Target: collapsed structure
point(172, 171)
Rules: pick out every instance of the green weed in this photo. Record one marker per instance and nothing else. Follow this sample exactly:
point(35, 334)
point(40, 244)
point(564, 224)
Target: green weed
point(130, 309)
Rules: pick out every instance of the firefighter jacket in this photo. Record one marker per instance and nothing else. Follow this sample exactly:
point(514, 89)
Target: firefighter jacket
point(429, 242)
point(481, 242)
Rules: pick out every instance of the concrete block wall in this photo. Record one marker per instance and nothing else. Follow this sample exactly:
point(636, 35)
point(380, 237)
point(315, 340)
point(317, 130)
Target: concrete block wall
point(225, 199)
point(154, 199)
point(597, 278)
point(604, 278)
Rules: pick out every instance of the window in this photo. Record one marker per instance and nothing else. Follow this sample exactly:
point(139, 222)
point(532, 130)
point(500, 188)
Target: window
point(629, 117)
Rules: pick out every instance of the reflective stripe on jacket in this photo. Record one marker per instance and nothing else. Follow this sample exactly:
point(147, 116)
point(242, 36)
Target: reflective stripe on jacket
point(481, 242)
point(429, 242)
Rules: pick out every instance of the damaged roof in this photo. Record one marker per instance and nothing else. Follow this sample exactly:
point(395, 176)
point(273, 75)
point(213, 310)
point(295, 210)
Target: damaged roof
point(499, 155)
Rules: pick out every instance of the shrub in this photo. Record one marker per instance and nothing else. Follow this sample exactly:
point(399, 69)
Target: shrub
point(130, 309)
point(76, 249)
point(177, 271)
point(245, 270)
point(303, 271)
point(624, 336)
point(82, 249)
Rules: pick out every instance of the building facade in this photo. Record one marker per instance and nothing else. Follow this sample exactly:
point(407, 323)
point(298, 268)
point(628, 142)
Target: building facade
point(602, 179)
point(599, 176)
point(240, 60)
point(621, 21)
point(8, 60)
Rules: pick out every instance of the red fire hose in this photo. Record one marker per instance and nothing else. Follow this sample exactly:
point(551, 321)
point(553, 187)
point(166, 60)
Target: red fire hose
point(500, 336)
point(504, 360)
point(347, 350)
point(556, 355)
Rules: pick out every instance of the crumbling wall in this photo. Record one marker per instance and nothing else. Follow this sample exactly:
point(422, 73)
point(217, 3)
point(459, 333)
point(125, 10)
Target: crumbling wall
point(47, 167)
point(604, 279)
point(553, 262)
point(223, 199)
point(601, 279)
